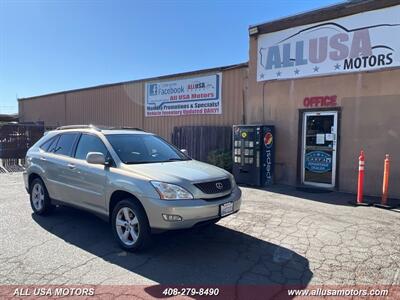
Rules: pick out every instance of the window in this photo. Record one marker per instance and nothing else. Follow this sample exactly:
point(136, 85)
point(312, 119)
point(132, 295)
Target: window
point(46, 145)
point(53, 144)
point(89, 143)
point(50, 144)
point(141, 148)
point(65, 144)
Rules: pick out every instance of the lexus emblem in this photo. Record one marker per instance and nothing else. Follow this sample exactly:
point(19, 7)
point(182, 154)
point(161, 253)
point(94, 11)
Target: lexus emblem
point(219, 185)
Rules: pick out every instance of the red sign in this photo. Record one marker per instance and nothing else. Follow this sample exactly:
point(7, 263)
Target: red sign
point(320, 101)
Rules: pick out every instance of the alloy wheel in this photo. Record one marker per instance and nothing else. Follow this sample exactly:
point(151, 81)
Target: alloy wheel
point(127, 226)
point(38, 196)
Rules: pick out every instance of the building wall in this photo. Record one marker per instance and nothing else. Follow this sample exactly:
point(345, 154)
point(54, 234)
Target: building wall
point(50, 109)
point(118, 105)
point(370, 120)
point(123, 105)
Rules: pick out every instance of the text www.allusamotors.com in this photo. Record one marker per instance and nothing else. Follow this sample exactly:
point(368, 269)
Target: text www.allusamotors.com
point(339, 292)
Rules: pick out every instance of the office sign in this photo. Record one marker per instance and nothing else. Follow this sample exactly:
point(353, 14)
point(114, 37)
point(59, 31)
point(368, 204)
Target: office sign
point(320, 101)
point(189, 96)
point(361, 42)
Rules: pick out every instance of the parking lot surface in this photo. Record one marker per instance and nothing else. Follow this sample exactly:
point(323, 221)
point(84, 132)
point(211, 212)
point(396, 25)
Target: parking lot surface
point(279, 236)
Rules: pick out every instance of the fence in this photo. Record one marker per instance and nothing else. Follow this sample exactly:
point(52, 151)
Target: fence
point(15, 140)
point(202, 141)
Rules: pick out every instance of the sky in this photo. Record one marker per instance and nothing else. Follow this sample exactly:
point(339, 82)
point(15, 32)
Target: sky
point(50, 46)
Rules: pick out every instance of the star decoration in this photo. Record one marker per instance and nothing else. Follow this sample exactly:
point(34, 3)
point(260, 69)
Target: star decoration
point(262, 75)
point(278, 74)
point(316, 69)
point(337, 67)
point(297, 71)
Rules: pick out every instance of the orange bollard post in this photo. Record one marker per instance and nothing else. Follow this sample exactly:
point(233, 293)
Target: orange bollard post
point(385, 184)
point(360, 181)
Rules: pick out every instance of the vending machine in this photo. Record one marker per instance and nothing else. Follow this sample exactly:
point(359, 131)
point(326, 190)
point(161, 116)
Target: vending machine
point(254, 154)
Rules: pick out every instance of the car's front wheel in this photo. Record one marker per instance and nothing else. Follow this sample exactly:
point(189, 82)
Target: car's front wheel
point(39, 198)
point(130, 225)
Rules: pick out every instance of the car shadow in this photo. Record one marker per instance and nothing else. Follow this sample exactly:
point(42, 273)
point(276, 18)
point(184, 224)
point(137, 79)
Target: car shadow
point(212, 255)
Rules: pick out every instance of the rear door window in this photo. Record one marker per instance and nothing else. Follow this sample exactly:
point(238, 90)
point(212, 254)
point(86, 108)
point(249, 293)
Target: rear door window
point(65, 144)
point(46, 145)
point(53, 144)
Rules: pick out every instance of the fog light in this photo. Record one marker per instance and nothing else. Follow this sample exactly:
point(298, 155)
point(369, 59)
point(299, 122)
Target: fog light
point(171, 218)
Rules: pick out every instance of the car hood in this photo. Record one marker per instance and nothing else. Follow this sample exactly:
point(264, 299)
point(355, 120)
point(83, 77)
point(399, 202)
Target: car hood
point(178, 171)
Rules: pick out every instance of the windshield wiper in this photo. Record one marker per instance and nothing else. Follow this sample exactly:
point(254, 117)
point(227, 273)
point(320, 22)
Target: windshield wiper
point(177, 159)
point(155, 161)
point(139, 162)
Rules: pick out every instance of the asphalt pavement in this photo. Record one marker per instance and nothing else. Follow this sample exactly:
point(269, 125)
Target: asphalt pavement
point(280, 236)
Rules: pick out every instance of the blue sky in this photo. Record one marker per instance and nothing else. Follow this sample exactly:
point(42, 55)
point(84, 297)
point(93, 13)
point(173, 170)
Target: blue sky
point(50, 46)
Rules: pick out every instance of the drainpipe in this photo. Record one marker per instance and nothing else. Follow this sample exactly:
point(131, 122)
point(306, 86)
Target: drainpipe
point(244, 106)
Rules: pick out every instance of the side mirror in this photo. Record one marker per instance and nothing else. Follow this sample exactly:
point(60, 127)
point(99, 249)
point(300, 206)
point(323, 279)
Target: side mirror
point(96, 158)
point(184, 151)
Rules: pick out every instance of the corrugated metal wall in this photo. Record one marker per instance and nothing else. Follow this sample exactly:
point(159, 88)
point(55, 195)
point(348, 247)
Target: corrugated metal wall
point(114, 105)
point(122, 104)
point(50, 109)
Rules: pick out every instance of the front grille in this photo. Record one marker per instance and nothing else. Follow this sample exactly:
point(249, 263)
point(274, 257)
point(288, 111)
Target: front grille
point(211, 186)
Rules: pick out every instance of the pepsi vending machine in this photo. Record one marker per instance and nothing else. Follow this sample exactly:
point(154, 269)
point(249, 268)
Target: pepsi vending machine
point(254, 154)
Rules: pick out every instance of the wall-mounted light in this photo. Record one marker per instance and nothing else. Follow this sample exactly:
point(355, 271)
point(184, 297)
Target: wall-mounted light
point(253, 30)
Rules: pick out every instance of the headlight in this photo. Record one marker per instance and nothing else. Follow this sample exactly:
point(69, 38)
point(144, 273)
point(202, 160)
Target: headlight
point(168, 191)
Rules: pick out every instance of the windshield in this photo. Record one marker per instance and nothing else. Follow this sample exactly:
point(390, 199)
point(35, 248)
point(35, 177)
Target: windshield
point(141, 148)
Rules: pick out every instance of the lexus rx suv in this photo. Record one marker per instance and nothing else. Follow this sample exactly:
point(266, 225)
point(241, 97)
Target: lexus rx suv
point(134, 179)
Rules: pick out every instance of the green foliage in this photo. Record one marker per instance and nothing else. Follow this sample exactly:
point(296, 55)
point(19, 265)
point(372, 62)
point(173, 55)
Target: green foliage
point(221, 158)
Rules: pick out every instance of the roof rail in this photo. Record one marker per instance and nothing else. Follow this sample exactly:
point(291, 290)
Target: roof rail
point(77, 127)
point(129, 128)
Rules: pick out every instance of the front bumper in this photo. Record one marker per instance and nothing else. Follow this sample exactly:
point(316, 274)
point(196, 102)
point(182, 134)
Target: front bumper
point(192, 211)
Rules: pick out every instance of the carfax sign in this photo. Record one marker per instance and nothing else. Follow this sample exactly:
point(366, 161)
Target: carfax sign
point(189, 96)
point(361, 42)
point(318, 162)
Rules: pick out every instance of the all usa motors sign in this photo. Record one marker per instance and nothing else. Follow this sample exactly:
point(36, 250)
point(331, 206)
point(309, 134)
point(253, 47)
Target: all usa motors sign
point(189, 96)
point(361, 42)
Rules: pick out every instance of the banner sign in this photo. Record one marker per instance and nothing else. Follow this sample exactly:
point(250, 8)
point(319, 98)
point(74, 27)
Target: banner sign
point(189, 96)
point(361, 42)
point(318, 162)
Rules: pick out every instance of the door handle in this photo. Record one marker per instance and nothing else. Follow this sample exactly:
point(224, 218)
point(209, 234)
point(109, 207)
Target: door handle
point(43, 158)
point(71, 166)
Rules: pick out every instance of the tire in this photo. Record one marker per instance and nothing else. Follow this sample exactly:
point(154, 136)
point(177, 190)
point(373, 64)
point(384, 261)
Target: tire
point(130, 226)
point(39, 198)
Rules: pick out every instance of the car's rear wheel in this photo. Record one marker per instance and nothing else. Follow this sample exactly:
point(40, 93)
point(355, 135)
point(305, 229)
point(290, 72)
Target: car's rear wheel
point(39, 198)
point(130, 225)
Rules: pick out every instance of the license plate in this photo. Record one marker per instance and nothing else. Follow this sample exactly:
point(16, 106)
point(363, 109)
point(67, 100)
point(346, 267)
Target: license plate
point(226, 209)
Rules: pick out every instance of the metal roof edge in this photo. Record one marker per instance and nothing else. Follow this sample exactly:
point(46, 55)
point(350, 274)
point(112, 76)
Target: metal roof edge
point(297, 14)
point(216, 69)
point(339, 10)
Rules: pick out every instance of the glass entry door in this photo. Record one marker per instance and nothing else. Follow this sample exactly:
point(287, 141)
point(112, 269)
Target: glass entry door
point(319, 148)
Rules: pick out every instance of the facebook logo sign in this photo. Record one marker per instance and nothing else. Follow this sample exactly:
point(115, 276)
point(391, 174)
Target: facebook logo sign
point(153, 89)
